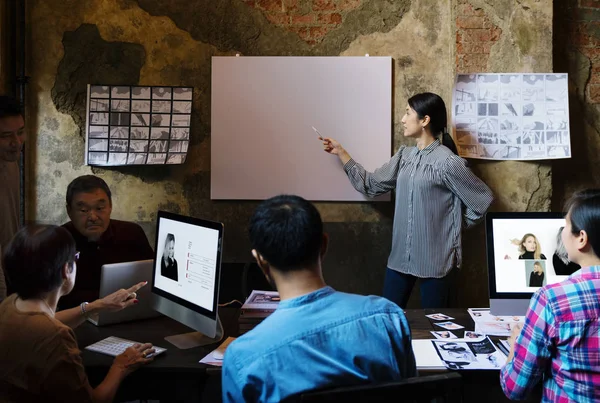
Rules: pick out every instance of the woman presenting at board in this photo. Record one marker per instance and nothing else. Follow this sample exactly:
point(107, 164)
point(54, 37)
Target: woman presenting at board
point(436, 196)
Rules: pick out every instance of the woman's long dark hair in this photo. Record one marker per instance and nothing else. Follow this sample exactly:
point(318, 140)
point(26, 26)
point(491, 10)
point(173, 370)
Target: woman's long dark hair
point(432, 105)
point(584, 210)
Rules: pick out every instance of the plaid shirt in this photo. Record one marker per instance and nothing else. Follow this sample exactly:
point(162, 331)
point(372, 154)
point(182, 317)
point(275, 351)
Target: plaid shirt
point(560, 342)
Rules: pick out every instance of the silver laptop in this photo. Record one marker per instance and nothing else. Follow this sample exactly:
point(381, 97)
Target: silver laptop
point(115, 276)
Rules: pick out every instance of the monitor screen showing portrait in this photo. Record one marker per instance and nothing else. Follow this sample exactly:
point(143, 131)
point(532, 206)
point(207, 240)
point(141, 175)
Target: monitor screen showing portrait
point(524, 253)
point(187, 270)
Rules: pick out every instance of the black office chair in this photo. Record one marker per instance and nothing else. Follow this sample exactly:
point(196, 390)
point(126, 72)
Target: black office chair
point(438, 388)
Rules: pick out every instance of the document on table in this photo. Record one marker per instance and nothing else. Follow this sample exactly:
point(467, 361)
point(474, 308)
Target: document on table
point(426, 356)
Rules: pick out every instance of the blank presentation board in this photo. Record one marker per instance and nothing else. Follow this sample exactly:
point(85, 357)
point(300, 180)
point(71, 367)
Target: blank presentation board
point(262, 112)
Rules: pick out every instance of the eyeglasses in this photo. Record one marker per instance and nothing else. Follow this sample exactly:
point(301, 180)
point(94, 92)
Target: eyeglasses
point(77, 255)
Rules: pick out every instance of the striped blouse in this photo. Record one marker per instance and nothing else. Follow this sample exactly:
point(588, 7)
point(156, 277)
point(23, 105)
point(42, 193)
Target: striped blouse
point(434, 192)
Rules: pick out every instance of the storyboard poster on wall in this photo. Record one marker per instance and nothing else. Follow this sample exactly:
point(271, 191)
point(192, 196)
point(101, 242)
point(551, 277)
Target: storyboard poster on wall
point(137, 125)
point(511, 116)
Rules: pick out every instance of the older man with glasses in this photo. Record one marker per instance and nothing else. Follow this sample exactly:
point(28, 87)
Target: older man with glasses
point(100, 239)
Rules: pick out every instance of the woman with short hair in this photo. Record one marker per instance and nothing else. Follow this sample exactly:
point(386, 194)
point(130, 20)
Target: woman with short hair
point(39, 356)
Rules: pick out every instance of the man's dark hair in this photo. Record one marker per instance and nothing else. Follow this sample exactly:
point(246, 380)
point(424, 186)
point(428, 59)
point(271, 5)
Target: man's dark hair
point(9, 106)
point(86, 184)
point(584, 209)
point(34, 259)
point(287, 231)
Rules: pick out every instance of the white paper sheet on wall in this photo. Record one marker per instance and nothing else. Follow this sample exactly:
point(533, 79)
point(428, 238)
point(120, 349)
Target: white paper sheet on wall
point(511, 116)
point(137, 125)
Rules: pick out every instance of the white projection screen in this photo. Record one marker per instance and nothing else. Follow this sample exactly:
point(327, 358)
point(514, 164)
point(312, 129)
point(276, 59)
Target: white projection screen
point(262, 113)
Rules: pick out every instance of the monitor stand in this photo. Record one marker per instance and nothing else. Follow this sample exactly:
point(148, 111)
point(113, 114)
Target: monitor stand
point(195, 339)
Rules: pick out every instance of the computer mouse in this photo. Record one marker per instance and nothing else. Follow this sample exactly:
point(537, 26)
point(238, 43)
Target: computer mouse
point(218, 355)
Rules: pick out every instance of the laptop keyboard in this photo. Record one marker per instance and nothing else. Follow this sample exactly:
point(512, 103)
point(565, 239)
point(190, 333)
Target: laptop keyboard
point(115, 345)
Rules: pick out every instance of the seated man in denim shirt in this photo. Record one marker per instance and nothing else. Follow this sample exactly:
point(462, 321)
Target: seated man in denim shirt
point(317, 337)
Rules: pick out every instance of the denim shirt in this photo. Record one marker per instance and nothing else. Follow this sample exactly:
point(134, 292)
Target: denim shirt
point(322, 339)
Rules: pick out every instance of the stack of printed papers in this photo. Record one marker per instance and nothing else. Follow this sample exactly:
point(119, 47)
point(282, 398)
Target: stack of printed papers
point(492, 325)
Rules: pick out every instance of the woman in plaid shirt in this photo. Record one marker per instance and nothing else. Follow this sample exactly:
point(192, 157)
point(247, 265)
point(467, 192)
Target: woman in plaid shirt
point(560, 339)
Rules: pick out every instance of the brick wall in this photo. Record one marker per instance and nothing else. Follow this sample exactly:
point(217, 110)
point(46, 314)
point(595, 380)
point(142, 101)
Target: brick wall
point(475, 35)
point(582, 18)
point(310, 19)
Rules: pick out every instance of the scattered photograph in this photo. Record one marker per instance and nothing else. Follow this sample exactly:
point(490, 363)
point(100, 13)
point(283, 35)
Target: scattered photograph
point(176, 159)
point(119, 132)
point(120, 105)
point(140, 119)
point(158, 133)
point(161, 93)
point(118, 145)
point(161, 106)
point(100, 91)
point(138, 146)
point(439, 316)
point(473, 335)
point(161, 120)
point(140, 92)
point(181, 120)
point(158, 146)
point(182, 107)
point(180, 133)
point(454, 351)
point(136, 159)
point(120, 92)
point(98, 131)
point(449, 325)
point(178, 146)
point(138, 133)
point(140, 106)
point(182, 93)
point(97, 158)
point(97, 118)
point(443, 334)
point(119, 119)
point(98, 145)
point(156, 158)
point(99, 105)
point(117, 158)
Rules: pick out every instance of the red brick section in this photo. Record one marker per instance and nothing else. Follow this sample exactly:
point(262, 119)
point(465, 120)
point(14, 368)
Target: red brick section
point(583, 26)
point(475, 35)
point(310, 19)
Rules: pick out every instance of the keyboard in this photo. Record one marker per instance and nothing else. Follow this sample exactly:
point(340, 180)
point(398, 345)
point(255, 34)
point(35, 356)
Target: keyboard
point(115, 345)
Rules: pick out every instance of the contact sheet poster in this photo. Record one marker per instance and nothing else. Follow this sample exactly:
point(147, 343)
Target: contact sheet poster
point(137, 125)
point(511, 116)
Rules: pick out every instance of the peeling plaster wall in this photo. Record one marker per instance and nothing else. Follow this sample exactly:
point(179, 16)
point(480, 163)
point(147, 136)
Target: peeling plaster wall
point(161, 42)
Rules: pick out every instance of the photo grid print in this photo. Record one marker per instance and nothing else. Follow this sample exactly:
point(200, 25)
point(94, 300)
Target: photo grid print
point(138, 125)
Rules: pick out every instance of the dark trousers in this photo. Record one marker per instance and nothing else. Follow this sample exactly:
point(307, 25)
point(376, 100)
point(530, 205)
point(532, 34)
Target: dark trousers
point(434, 291)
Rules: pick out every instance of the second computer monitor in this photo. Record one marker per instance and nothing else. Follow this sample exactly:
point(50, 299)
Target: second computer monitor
point(187, 269)
point(524, 253)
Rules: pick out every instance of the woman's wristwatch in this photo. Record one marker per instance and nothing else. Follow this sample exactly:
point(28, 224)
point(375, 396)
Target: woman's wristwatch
point(84, 312)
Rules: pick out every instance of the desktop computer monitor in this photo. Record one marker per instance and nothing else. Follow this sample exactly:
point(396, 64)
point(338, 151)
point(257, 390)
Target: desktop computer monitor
point(523, 253)
point(186, 276)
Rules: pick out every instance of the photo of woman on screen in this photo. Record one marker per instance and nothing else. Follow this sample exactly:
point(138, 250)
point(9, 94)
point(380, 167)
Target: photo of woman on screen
point(529, 248)
point(168, 264)
point(536, 278)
